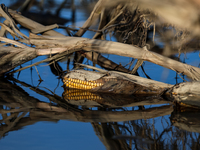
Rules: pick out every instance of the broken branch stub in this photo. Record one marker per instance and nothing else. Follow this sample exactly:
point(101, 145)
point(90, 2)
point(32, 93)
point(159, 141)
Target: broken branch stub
point(186, 93)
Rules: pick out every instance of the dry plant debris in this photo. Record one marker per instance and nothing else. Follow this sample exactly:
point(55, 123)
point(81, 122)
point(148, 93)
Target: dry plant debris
point(128, 21)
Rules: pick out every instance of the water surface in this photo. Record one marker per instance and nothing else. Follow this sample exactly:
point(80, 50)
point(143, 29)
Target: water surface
point(29, 121)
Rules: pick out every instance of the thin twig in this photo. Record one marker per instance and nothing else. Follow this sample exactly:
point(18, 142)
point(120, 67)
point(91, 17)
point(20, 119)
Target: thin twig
point(13, 42)
point(73, 49)
point(38, 74)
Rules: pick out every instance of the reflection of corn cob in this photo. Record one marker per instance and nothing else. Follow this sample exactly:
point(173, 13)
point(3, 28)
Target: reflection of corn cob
point(80, 84)
point(75, 94)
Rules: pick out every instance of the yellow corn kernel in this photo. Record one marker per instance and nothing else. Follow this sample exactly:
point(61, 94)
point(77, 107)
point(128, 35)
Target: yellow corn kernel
point(81, 84)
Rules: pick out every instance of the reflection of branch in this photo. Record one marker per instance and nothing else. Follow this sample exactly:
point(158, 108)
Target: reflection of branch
point(17, 103)
point(99, 116)
point(12, 124)
point(89, 99)
point(16, 98)
point(188, 121)
point(20, 123)
point(13, 110)
point(55, 98)
point(108, 116)
point(105, 132)
point(163, 132)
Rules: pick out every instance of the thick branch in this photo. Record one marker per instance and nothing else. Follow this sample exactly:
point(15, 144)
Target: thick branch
point(126, 50)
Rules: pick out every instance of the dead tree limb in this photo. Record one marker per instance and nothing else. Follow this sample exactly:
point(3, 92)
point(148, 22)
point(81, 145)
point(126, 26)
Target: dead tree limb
point(126, 50)
point(97, 46)
point(102, 61)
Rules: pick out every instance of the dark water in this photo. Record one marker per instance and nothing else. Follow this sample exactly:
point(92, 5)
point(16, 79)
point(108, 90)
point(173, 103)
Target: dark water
point(30, 120)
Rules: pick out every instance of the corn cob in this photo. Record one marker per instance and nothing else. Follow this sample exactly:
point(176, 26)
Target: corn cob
point(81, 84)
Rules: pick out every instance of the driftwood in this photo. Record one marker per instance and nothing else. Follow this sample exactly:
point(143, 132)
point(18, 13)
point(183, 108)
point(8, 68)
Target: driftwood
point(116, 48)
point(186, 93)
point(51, 42)
point(114, 82)
point(17, 112)
point(109, 47)
point(61, 43)
point(32, 25)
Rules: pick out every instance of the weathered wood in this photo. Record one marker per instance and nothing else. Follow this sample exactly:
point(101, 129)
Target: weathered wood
point(108, 47)
point(116, 48)
point(187, 93)
point(191, 88)
point(113, 82)
point(32, 25)
point(102, 61)
point(135, 79)
point(15, 58)
point(126, 50)
point(103, 47)
point(92, 18)
point(95, 57)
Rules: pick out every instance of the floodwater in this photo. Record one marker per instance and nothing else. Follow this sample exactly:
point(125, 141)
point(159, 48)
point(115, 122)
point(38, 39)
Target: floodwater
point(34, 115)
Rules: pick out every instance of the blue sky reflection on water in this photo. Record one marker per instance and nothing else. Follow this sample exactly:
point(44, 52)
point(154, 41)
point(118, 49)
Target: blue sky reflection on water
point(46, 135)
point(69, 134)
